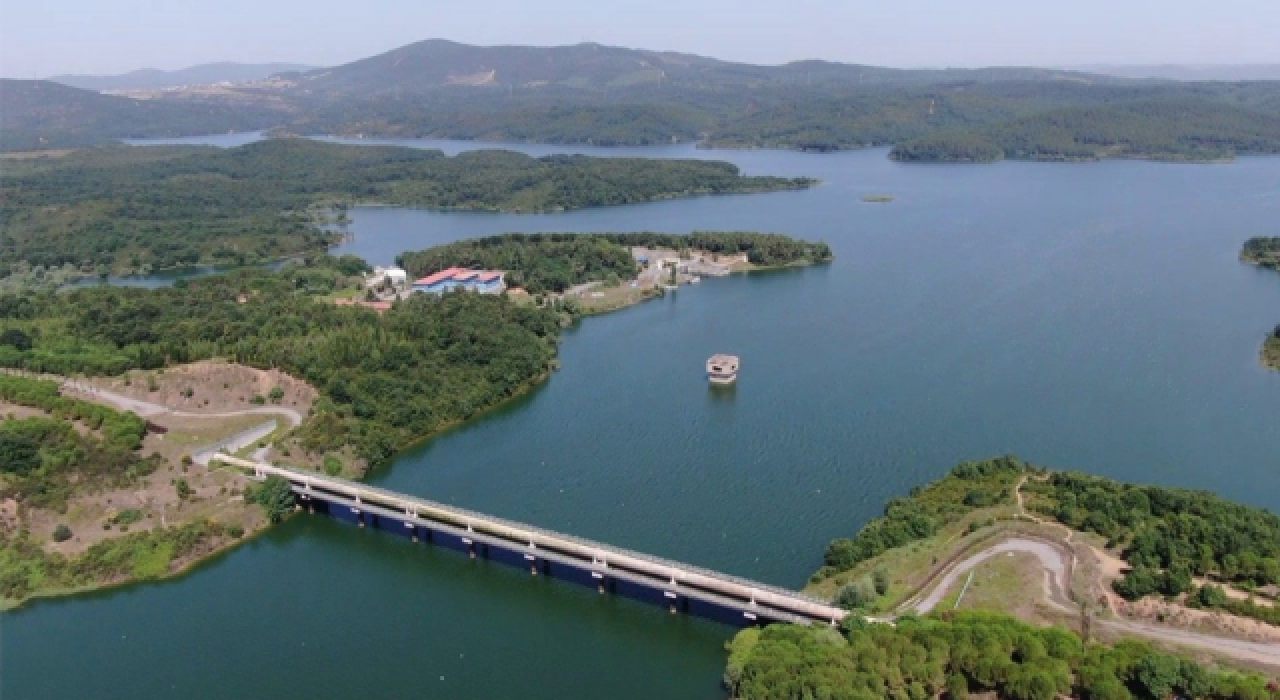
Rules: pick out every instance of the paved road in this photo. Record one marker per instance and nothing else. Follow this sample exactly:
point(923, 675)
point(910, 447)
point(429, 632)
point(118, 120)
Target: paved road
point(235, 443)
point(1053, 561)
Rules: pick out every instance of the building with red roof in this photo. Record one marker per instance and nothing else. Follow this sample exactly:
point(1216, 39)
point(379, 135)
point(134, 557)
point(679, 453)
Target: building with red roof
point(482, 281)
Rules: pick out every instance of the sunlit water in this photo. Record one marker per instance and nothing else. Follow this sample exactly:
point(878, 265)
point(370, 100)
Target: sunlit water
point(1091, 316)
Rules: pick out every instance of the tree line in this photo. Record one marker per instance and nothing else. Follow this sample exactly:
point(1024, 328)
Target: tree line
point(1182, 130)
point(955, 654)
point(123, 208)
point(1166, 535)
point(553, 262)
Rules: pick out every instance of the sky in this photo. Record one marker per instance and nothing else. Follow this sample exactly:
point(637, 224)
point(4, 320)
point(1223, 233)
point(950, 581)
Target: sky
point(39, 38)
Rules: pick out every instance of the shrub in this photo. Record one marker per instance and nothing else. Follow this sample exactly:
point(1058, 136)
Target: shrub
point(856, 595)
point(61, 533)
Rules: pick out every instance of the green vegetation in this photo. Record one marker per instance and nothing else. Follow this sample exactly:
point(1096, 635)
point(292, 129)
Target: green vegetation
point(541, 262)
point(274, 495)
point(969, 486)
point(140, 209)
point(386, 379)
point(962, 653)
point(43, 459)
point(1262, 250)
point(1183, 130)
point(1168, 535)
point(26, 568)
point(1271, 349)
point(1265, 252)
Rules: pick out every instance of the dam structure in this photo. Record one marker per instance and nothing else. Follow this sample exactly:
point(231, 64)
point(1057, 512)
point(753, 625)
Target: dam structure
point(681, 588)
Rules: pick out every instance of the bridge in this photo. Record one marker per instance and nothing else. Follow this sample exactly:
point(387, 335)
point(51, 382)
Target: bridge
point(610, 570)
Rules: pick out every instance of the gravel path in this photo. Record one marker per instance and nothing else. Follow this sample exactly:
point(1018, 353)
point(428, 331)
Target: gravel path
point(147, 409)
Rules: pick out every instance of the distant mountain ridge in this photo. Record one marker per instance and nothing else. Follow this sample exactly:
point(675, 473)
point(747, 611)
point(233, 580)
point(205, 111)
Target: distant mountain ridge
point(203, 74)
point(39, 114)
point(438, 64)
point(1227, 72)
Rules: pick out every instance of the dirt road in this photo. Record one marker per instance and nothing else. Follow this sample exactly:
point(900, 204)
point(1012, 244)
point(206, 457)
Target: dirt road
point(147, 409)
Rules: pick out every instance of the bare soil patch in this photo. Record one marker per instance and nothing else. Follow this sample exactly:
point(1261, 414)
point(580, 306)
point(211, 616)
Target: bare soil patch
point(211, 386)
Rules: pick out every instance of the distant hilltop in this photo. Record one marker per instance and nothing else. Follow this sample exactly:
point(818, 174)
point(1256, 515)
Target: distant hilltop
point(1227, 72)
point(203, 74)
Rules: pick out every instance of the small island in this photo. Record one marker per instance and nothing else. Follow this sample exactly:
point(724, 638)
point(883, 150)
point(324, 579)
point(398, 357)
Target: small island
point(1264, 251)
point(1023, 582)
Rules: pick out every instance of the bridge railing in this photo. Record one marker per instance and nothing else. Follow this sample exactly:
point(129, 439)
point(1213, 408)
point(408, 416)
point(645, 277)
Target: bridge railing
point(462, 515)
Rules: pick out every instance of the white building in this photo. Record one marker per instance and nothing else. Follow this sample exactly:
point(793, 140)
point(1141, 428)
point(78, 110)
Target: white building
point(395, 277)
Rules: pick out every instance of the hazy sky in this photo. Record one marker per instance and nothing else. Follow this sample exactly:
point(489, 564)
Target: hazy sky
point(39, 38)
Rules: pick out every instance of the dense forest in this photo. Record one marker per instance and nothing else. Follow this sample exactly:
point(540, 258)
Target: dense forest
point(386, 380)
point(542, 262)
point(1167, 535)
point(1191, 130)
point(956, 654)
point(147, 208)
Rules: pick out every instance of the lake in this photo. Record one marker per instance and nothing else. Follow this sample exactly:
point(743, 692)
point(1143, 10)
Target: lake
point(1090, 316)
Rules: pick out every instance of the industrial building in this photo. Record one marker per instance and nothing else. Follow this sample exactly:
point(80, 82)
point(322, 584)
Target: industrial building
point(482, 281)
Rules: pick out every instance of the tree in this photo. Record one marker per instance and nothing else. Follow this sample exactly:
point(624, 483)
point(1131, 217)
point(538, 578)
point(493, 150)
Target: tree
point(957, 686)
point(16, 338)
point(61, 533)
point(856, 595)
point(276, 497)
point(1158, 675)
point(19, 453)
point(881, 578)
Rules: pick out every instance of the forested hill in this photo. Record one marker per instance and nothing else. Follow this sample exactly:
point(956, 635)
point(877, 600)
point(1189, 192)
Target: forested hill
point(203, 74)
point(1185, 130)
point(437, 64)
point(588, 93)
point(144, 208)
point(39, 115)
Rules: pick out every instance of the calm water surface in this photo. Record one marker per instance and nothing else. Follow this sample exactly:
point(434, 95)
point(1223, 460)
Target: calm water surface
point(1089, 316)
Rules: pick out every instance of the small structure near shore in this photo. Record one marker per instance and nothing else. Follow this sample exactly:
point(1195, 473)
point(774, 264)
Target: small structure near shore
point(722, 369)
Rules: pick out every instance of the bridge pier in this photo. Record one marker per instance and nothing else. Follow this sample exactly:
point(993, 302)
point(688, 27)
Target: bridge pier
point(678, 587)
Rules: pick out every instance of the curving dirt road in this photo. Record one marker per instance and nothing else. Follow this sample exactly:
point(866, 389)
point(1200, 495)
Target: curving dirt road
point(1053, 561)
point(147, 409)
point(1057, 560)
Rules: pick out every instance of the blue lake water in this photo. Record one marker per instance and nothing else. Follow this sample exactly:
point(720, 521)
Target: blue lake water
point(1091, 316)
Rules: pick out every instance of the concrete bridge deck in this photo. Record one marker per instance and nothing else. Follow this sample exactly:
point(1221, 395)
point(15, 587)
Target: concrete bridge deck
point(680, 587)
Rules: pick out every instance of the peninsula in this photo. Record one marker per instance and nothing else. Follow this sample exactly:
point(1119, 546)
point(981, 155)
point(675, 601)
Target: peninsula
point(973, 566)
point(136, 209)
point(106, 478)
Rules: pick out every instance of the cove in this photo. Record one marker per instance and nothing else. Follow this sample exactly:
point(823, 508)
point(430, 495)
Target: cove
point(1089, 316)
